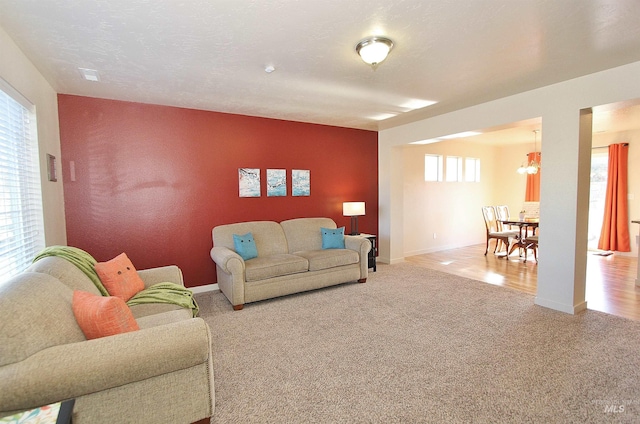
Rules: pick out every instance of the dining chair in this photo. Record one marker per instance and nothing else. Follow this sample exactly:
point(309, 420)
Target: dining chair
point(531, 242)
point(502, 212)
point(494, 231)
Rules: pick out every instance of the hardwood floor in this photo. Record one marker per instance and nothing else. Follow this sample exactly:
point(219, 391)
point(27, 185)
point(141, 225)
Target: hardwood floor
point(610, 284)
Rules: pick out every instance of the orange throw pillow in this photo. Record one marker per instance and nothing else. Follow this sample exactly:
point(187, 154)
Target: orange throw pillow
point(101, 316)
point(119, 277)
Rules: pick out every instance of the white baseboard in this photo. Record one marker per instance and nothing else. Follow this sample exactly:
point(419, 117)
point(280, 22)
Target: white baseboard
point(440, 248)
point(569, 309)
point(204, 289)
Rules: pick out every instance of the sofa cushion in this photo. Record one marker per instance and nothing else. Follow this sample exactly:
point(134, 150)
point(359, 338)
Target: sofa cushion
point(162, 318)
point(264, 267)
point(66, 272)
point(120, 277)
point(149, 309)
point(268, 236)
point(245, 246)
point(304, 233)
point(329, 258)
point(102, 316)
point(332, 238)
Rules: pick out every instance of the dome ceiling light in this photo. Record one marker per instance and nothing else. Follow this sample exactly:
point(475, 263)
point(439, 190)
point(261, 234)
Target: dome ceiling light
point(373, 50)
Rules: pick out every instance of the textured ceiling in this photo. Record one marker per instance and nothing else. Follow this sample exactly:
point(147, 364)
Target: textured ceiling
point(211, 54)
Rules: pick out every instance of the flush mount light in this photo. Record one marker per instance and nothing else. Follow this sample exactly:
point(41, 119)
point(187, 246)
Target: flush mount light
point(89, 74)
point(373, 50)
point(269, 68)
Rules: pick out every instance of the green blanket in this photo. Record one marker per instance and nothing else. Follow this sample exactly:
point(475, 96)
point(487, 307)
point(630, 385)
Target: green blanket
point(166, 293)
point(158, 293)
point(81, 259)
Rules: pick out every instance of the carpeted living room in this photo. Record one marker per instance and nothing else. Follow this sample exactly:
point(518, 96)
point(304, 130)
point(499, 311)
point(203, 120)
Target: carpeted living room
point(418, 345)
point(141, 129)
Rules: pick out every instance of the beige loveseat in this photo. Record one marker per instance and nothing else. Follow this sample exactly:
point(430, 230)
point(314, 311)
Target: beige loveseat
point(290, 259)
point(161, 373)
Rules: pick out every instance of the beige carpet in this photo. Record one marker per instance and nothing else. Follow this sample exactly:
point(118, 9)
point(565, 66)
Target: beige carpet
point(414, 345)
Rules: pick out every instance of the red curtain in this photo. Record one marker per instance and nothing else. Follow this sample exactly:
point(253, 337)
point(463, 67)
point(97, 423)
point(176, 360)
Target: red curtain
point(533, 180)
point(615, 225)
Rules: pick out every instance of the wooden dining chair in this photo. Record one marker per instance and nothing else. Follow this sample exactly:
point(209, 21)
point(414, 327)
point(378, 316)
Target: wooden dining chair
point(502, 212)
point(494, 231)
point(531, 242)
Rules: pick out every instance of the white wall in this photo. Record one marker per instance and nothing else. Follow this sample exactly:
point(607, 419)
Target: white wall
point(566, 148)
point(511, 186)
point(450, 210)
point(20, 73)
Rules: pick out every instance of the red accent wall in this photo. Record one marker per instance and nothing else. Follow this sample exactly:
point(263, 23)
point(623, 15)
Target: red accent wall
point(152, 181)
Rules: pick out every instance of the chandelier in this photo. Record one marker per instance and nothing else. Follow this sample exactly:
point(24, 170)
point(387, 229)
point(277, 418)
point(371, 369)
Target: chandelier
point(533, 166)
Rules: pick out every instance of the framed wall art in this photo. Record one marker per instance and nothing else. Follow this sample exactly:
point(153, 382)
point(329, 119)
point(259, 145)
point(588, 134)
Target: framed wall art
point(300, 182)
point(276, 182)
point(249, 182)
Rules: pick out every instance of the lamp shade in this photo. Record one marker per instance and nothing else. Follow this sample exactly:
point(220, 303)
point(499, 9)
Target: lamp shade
point(353, 208)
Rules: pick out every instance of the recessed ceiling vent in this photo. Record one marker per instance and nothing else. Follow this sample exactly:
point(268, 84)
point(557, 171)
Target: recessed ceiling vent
point(89, 74)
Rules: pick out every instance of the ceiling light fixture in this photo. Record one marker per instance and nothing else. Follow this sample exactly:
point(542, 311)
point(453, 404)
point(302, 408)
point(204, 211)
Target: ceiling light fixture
point(534, 166)
point(373, 50)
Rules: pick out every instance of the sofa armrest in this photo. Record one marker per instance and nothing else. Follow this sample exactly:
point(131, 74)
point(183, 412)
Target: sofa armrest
point(230, 269)
point(228, 260)
point(171, 274)
point(362, 246)
point(75, 369)
point(359, 244)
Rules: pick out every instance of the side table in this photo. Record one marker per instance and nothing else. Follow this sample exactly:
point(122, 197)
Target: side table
point(374, 249)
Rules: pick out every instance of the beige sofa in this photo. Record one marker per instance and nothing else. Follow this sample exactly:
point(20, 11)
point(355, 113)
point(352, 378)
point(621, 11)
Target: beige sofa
point(161, 373)
point(290, 259)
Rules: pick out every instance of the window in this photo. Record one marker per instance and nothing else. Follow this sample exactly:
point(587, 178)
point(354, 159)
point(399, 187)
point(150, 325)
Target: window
point(597, 195)
point(432, 167)
point(454, 168)
point(472, 170)
point(21, 220)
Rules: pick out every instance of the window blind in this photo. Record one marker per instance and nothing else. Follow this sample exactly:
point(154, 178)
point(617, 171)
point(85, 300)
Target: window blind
point(21, 218)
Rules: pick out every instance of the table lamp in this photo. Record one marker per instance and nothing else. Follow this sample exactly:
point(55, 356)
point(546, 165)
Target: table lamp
point(353, 209)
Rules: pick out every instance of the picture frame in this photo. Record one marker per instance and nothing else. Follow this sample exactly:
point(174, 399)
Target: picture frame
point(249, 182)
point(276, 182)
point(300, 182)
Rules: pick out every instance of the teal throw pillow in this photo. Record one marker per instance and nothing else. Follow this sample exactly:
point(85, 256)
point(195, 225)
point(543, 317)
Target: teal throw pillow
point(245, 246)
point(332, 238)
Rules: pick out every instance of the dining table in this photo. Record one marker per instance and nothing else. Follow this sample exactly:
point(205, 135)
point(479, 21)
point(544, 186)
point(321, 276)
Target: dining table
point(524, 225)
